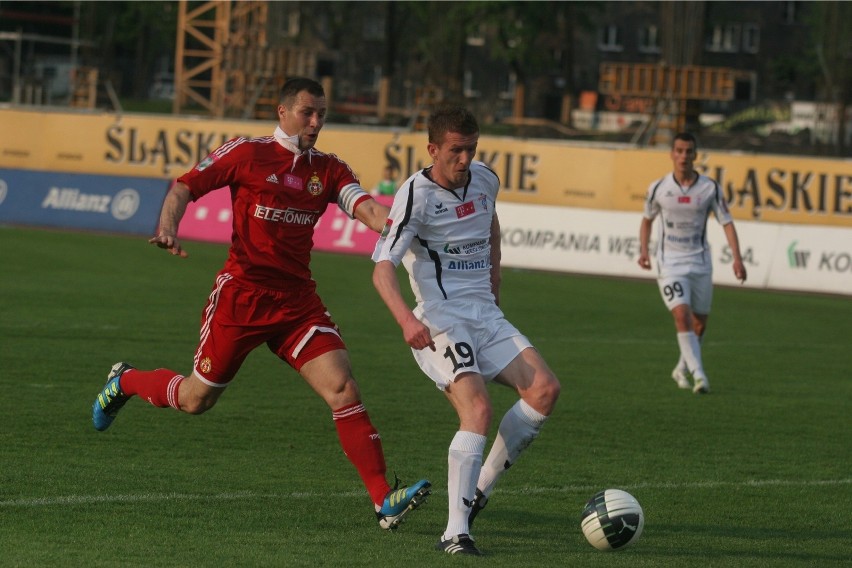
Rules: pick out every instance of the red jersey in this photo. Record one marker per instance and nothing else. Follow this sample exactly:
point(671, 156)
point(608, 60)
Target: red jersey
point(277, 198)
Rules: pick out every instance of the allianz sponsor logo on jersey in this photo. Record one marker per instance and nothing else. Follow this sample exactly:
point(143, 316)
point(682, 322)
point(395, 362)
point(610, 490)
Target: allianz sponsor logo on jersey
point(122, 206)
point(681, 240)
point(467, 249)
point(481, 264)
point(683, 226)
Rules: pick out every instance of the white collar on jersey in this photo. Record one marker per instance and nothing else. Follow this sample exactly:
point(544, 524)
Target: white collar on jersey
point(289, 142)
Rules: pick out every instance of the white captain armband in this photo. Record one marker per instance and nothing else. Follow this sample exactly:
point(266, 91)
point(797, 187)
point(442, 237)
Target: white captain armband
point(349, 197)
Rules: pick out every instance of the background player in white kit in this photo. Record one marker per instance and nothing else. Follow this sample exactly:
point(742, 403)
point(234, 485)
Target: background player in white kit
point(444, 229)
point(684, 200)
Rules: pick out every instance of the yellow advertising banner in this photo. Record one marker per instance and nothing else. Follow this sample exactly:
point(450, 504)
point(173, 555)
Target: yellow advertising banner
point(782, 189)
point(773, 188)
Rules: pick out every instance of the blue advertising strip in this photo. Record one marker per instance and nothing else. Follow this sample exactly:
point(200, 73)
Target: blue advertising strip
point(112, 204)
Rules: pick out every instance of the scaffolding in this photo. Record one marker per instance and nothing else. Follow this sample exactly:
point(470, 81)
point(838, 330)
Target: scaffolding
point(224, 65)
point(671, 87)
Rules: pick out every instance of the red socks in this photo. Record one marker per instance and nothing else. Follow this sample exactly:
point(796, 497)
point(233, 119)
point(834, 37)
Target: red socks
point(360, 441)
point(159, 387)
point(363, 446)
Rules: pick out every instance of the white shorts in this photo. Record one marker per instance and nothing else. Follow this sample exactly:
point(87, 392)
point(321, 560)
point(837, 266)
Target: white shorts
point(683, 286)
point(470, 337)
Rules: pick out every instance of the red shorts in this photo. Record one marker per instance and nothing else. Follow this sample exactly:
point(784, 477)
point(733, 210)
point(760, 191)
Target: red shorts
point(294, 324)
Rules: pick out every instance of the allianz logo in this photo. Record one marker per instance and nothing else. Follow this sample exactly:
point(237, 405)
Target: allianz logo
point(123, 205)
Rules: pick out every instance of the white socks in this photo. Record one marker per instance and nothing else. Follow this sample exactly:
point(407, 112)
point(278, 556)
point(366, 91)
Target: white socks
point(681, 362)
point(690, 350)
point(463, 465)
point(519, 427)
point(466, 471)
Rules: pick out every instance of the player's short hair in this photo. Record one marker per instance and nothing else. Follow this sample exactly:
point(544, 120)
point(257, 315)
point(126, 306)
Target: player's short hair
point(296, 85)
point(686, 137)
point(451, 118)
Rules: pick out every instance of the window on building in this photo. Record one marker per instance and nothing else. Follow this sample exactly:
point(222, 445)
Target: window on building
point(477, 37)
point(724, 38)
point(609, 39)
point(649, 39)
point(469, 91)
point(290, 23)
point(788, 12)
point(507, 86)
point(377, 77)
point(751, 38)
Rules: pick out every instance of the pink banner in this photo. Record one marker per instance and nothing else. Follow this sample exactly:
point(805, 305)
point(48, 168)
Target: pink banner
point(209, 219)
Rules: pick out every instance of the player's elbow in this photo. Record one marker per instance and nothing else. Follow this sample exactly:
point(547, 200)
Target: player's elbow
point(380, 274)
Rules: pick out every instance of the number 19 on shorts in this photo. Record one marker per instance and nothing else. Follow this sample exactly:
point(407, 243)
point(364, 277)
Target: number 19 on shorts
point(460, 356)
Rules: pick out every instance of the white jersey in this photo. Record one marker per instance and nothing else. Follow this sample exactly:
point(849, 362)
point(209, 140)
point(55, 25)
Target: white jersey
point(682, 230)
point(443, 236)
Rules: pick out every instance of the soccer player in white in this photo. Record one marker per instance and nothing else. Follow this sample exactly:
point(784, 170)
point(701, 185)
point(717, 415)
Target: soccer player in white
point(444, 229)
point(684, 200)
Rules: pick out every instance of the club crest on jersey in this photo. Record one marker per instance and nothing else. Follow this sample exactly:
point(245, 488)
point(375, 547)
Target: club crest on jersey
point(387, 228)
point(465, 209)
point(205, 365)
point(483, 201)
point(315, 185)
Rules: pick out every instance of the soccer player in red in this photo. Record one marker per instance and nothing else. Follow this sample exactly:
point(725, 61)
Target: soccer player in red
point(280, 186)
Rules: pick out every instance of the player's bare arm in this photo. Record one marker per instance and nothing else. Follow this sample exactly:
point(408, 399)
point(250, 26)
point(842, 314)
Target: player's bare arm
point(174, 206)
point(496, 255)
point(415, 333)
point(644, 238)
point(734, 243)
point(373, 214)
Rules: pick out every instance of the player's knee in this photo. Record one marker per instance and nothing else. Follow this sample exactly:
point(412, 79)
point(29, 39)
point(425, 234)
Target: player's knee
point(682, 321)
point(340, 393)
point(553, 387)
point(549, 390)
point(348, 390)
point(477, 416)
point(482, 407)
point(543, 394)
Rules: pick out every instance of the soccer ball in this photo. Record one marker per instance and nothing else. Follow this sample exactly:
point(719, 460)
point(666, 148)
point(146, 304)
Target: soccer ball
point(612, 519)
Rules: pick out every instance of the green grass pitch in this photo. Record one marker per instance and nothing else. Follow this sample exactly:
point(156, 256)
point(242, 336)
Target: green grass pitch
point(755, 474)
